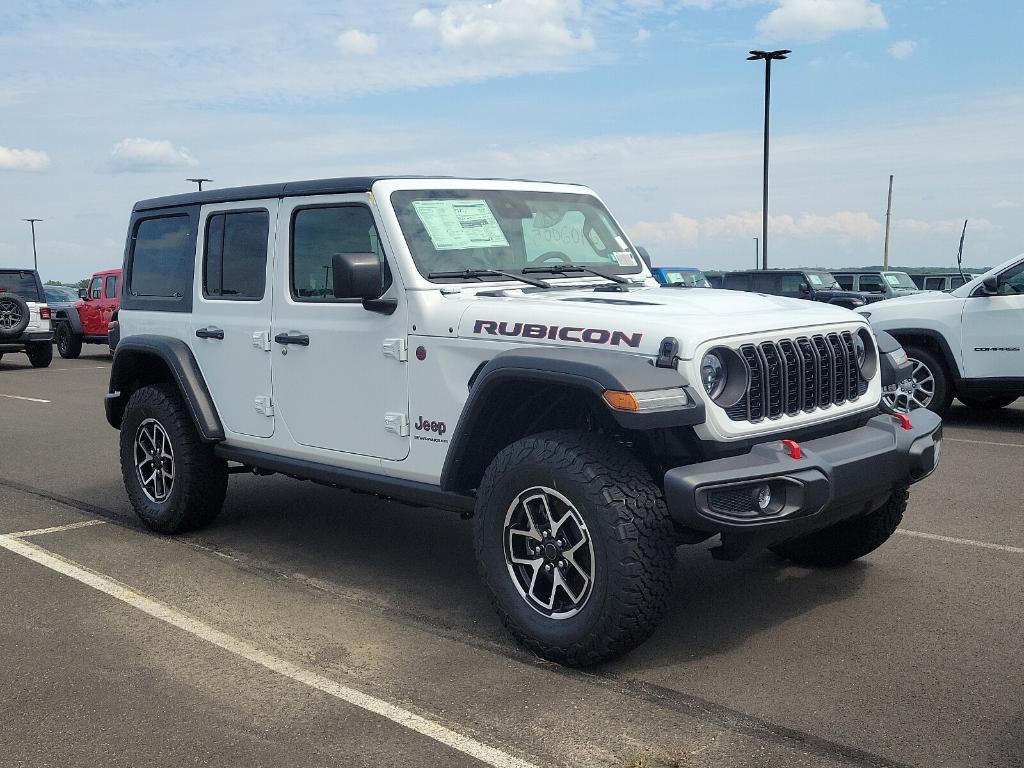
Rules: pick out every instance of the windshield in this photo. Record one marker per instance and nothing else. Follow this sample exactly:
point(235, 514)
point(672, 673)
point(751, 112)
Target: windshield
point(822, 281)
point(458, 229)
point(900, 280)
point(57, 293)
point(691, 278)
point(22, 283)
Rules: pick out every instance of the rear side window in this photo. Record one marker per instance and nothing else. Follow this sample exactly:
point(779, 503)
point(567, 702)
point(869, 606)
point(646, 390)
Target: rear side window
point(110, 291)
point(21, 283)
point(872, 283)
point(934, 283)
point(320, 232)
point(766, 284)
point(956, 282)
point(737, 282)
point(235, 258)
point(160, 259)
point(845, 282)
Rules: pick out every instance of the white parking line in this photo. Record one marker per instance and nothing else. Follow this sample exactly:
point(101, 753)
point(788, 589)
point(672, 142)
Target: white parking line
point(968, 542)
point(984, 442)
point(83, 368)
point(55, 529)
point(396, 714)
point(29, 399)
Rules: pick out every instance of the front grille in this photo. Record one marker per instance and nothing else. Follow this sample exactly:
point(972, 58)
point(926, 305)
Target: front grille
point(791, 376)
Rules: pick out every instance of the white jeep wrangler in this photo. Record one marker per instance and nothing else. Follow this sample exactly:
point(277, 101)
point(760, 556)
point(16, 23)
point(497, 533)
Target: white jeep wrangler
point(499, 348)
point(968, 343)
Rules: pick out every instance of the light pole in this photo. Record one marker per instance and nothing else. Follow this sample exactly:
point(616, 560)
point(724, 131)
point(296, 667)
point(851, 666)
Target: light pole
point(199, 182)
point(757, 258)
point(35, 257)
point(768, 57)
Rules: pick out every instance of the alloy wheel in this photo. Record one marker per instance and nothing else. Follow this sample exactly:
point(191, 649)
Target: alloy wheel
point(154, 460)
point(919, 394)
point(549, 552)
point(10, 314)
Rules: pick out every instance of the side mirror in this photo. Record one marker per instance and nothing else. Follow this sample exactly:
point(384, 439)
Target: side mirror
point(83, 294)
point(357, 276)
point(990, 285)
point(805, 288)
point(644, 255)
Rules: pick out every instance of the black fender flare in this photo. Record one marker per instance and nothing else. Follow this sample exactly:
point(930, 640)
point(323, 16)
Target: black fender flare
point(593, 371)
point(907, 336)
point(149, 359)
point(70, 316)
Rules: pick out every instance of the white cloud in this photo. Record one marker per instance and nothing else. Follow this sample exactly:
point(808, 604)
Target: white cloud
point(137, 154)
point(820, 19)
point(547, 27)
point(942, 226)
point(31, 160)
point(902, 49)
point(354, 42)
point(856, 225)
point(642, 35)
point(678, 228)
point(1003, 204)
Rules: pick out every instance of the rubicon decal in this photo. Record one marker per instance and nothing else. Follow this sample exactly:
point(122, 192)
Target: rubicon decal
point(561, 333)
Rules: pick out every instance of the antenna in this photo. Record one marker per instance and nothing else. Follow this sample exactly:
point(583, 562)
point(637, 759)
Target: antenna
point(960, 253)
point(199, 182)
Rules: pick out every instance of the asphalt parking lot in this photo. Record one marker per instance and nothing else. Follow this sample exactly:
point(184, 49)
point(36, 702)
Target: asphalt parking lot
point(314, 627)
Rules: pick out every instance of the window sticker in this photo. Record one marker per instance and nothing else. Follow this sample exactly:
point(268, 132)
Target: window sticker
point(893, 280)
point(624, 258)
point(815, 279)
point(455, 225)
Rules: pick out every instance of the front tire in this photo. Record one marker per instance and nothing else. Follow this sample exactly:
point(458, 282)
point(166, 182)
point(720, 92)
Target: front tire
point(40, 354)
point(174, 481)
point(851, 539)
point(933, 387)
point(69, 344)
point(575, 545)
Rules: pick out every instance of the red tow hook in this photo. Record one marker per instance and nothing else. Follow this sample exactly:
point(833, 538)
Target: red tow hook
point(904, 421)
point(792, 447)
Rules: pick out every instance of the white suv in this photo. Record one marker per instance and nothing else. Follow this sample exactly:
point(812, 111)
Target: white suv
point(25, 323)
point(967, 343)
point(498, 348)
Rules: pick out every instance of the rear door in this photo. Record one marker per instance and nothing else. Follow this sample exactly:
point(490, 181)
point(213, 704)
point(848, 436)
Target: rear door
point(230, 320)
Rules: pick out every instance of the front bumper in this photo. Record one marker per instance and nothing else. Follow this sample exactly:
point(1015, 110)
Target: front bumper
point(837, 477)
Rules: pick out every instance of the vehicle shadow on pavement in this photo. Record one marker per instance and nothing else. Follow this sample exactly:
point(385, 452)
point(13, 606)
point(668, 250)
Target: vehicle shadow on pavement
point(1007, 420)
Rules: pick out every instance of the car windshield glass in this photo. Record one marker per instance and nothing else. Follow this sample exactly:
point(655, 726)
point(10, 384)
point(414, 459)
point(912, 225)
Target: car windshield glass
point(899, 280)
point(822, 281)
point(689, 278)
point(453, 230)
point(22, 283)
point(59, 293)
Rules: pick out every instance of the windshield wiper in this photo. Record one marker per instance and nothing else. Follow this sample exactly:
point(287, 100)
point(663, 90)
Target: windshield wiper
point(481, 273)
point(554, 269)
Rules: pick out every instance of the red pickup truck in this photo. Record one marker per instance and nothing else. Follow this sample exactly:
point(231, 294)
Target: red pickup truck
point(87, 321)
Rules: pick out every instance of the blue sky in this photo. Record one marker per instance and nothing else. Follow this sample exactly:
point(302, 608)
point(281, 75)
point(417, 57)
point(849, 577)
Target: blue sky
point(651, 102)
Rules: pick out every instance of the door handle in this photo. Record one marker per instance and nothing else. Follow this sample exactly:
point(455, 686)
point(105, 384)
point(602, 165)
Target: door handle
point(210, 333)
point(292, 338)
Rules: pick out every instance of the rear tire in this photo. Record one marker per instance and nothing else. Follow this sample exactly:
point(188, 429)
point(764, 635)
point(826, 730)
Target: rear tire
point(993, 403)
point(846, 541)
point(610, 549)
point(174, 481)
point(69, 343)
point(40, 353)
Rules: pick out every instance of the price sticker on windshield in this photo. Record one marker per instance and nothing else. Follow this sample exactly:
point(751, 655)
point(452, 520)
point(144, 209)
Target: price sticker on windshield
point(624, 258)
point(455, 225)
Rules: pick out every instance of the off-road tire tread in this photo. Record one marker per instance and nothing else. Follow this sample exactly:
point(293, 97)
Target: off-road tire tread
point(846, 541)
point(204, 476)
point(40, 353)
point(74, 345)
point(640, 583)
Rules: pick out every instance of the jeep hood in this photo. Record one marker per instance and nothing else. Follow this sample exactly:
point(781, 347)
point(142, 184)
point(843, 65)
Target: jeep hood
point(636, 321)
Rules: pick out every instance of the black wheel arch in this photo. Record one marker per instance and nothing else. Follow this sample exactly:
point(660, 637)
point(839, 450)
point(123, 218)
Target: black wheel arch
point(150, 359)
point(70, 316)
point(522, 391)
point(929, 339)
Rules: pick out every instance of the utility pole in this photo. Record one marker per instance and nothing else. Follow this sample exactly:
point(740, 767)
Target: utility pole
point(35, 256)
point(757, 257)
point(199, 182)
point(767, 57)
point(888, 219)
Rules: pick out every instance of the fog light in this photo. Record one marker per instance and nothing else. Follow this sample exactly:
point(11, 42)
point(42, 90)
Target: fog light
point(763, 496)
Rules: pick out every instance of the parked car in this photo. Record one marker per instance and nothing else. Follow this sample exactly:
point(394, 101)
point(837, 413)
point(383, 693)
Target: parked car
point(59, 296)
point(965, 344)
point(499, 349)
point(811, 284)
point(941, 281)
point(25, 324)
point(87, 321)
point(686, 277)
point(884, 285)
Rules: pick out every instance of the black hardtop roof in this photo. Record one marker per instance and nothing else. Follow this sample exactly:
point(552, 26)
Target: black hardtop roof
point(337, 186)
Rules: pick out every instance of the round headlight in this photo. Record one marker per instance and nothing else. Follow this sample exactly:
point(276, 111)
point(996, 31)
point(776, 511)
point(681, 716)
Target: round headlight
point(860, 350)
point(713, 374)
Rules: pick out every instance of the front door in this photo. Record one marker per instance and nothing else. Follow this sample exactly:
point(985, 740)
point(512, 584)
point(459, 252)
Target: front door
point(109, 303)
point(230, 320)
point(344, 387)
point(89, 310)
point(993, 329)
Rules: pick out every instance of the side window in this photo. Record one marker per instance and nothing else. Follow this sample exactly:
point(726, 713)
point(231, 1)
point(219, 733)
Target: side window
point(933, 283)
point(872, 283)
point(845, 282)
point(1011, 282)
point(766, 284)
point(737, 282)
point(235, 255)
point(791, 285)
point(160, 261)
point(96, 288)
point(110, 289)
point(956, 282)
point(320, 232)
